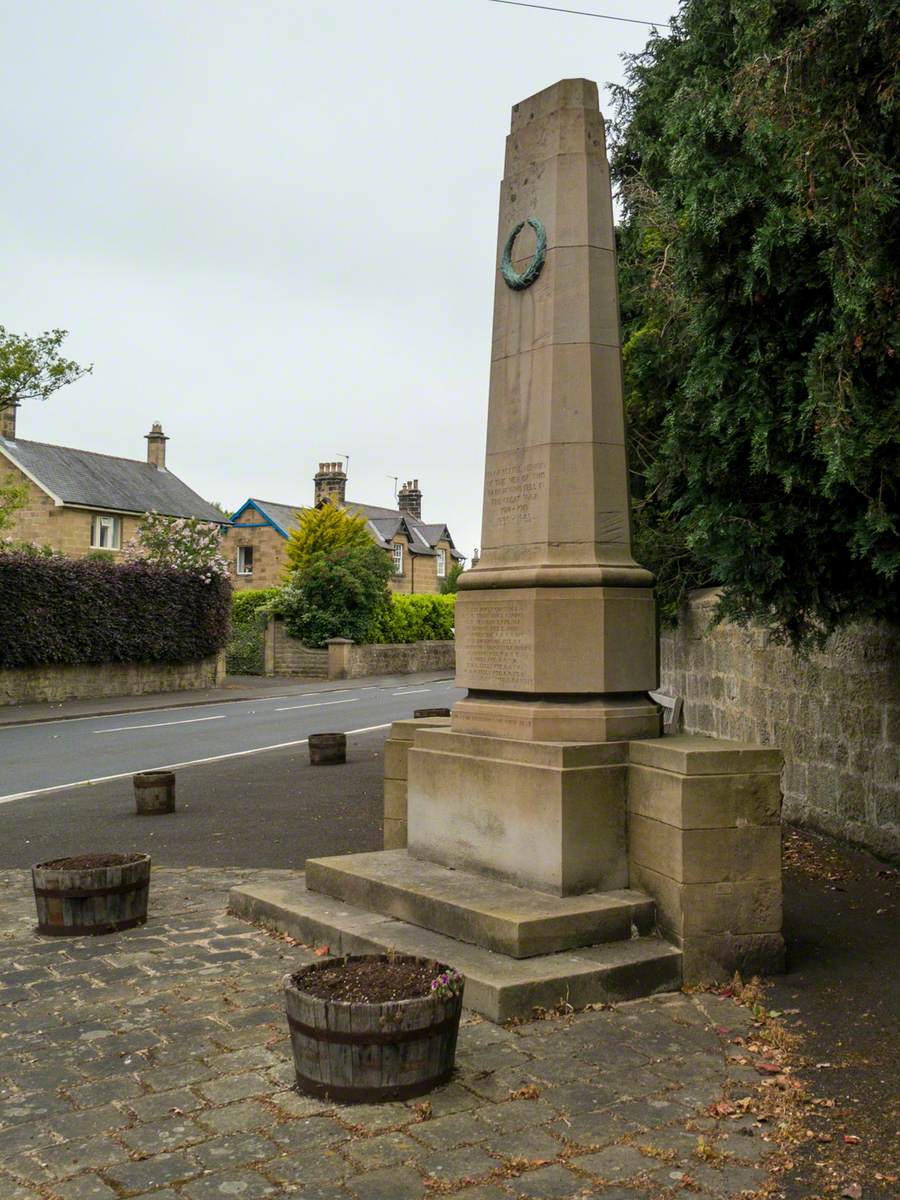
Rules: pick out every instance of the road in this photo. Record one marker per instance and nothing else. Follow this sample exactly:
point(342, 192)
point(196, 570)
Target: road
point(56, 756)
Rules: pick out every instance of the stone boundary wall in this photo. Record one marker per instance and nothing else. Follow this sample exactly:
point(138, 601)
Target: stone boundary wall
point(835, 715)
point(26, 685)
point(284, 655)
point(399, 659)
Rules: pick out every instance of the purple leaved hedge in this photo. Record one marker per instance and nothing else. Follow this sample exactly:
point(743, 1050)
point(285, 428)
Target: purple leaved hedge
point(79, 611)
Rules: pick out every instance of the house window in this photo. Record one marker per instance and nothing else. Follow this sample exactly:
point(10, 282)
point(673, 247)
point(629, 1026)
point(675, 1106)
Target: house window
point(397, 551)
point(245, 560)
point(106, 532)
point(442, 564)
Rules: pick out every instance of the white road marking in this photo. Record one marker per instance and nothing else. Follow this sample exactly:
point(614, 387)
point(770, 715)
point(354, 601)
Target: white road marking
point(146, 712)
point(194, 762)
point(321, 704)
point(414, 692)
point(158, 724)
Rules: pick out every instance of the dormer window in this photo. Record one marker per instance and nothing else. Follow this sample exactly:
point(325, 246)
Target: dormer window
point(442, 564)
point(397, 551)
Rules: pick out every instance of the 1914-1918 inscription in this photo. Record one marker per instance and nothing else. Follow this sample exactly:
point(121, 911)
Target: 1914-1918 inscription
point(510, 493)
point(496, 644)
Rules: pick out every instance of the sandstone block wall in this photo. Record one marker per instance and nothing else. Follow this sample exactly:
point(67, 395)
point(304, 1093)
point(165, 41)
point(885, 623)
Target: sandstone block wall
point(24, 685)
point(401, 659)
point(284, 655)
point(835, 715)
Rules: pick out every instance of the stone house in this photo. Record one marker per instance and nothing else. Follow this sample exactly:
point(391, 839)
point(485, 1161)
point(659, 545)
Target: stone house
point(79, 501)
point(422, 552)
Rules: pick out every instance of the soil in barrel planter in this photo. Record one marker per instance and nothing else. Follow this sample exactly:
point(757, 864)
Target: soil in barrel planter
point(370, 981)
point(84, 862)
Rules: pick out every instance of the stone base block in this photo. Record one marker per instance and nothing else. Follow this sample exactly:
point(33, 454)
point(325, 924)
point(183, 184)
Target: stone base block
point(497, 986)
point(394, 834)
point(587, 641)
point(593, 719)
point(396, 748)
point(485, 912)
point(542, 815)
point(704, 840)
point(716, 956)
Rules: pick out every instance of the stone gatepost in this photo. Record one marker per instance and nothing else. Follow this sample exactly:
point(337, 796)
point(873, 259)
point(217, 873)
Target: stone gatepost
point(339, 658)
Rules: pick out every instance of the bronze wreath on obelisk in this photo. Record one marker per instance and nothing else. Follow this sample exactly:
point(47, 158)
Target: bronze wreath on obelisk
point(520, 281)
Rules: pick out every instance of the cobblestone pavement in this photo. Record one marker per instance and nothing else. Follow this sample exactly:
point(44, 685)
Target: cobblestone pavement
point(156, 1063)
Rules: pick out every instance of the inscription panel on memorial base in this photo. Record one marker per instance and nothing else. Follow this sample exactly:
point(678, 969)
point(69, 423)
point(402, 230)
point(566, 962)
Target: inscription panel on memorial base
point(495, 642)
point(515, 487)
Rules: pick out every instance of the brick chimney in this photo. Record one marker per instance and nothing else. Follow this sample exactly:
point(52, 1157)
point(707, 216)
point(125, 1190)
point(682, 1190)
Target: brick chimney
point(409, 498)
point(156, 446)
point(8, 422)
point(331, 484)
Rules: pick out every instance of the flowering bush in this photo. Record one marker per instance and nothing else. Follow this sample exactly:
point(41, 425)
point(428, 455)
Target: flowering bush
point(184, 543)
point(448, 984)
point(9, 545)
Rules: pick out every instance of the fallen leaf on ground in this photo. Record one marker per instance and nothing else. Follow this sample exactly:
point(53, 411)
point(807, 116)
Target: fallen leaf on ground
point(320, 951)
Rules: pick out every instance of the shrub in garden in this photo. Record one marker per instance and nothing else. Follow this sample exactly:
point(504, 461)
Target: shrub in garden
point(336, 595)
point(249, 611)
point(414, 619)
point(77, 611)
point(320, 531)
point(245, 605)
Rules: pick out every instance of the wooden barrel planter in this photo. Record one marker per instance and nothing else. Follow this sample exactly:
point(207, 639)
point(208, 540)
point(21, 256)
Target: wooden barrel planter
point(154, 792)
point(326, 749)
point(369, 1051)
point(419, 713)
point(91, 893)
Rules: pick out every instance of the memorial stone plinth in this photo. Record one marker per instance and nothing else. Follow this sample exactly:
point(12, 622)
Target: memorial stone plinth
point(558, 848)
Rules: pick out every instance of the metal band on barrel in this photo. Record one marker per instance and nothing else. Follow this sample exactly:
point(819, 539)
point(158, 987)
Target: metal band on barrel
point(370, 1037)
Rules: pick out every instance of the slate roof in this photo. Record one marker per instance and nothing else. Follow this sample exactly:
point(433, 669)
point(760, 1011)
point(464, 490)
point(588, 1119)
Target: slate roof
point(88, 480)
point(383, 524)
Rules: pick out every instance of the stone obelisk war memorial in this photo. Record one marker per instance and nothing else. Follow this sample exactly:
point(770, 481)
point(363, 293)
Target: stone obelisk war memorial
point(559, 847)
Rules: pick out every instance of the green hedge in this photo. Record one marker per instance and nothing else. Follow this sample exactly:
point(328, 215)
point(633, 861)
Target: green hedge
point(79, 611)
point(244, 604)
point(414, 619)
point(244, 655)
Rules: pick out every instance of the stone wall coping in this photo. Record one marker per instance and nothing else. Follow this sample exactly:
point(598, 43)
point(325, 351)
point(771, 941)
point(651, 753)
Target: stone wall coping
point(694, 754)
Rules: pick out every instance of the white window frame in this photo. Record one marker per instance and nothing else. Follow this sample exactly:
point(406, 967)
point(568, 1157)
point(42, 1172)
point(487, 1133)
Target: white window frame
point(397, 554)
point(441, 564)
point(106, 532)
point(241, 561)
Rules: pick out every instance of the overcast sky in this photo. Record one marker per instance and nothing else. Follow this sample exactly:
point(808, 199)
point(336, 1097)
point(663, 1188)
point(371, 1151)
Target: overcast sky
point(271, 226)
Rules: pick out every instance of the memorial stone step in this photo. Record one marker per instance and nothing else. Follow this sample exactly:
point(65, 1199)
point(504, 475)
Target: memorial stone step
point(497, 986)
point(472, 908)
